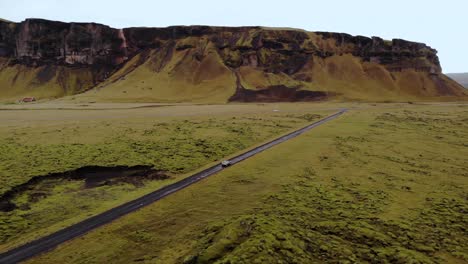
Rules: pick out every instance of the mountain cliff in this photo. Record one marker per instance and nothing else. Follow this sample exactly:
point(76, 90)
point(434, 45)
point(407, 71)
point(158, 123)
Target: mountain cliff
point(50, 59)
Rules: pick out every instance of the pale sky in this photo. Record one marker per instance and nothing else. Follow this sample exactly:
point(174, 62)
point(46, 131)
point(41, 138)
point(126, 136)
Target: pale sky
point(442, 25)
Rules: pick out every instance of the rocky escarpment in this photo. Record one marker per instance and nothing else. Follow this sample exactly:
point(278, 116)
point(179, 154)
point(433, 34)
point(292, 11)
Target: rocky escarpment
point(50, 59)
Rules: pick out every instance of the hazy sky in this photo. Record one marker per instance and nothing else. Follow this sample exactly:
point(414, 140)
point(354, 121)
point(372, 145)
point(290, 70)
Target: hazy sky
point(442, 25)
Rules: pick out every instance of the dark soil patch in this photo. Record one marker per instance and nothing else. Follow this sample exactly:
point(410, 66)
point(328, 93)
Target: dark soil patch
point(277, 93)
point(93, 176)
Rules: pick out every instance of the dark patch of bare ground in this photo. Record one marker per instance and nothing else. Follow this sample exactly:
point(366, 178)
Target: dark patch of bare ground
point(277, 93)
point(93, 176)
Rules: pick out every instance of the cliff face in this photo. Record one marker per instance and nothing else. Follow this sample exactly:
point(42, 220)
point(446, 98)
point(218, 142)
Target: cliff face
point(51, 59)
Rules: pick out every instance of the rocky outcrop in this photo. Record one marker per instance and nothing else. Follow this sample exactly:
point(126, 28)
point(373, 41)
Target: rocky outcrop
point(37, 41)
point(281, 56)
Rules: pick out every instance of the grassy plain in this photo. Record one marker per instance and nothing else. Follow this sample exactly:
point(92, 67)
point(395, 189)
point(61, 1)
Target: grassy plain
point(175, 139)
point(380, 184)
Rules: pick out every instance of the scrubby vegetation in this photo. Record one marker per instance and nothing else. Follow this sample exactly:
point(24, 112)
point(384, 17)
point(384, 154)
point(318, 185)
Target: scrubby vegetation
point(377, 185)
point(306, 223)
point(175, 146)
point(346, 221)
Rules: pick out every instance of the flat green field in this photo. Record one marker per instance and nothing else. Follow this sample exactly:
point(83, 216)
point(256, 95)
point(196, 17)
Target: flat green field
point(39, 139)
point(381, 184)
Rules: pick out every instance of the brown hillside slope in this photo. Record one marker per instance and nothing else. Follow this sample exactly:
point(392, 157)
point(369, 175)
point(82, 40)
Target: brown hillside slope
point(49, 59)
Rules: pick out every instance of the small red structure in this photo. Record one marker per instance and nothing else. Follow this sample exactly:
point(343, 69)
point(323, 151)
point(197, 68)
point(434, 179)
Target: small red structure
point(27, 100)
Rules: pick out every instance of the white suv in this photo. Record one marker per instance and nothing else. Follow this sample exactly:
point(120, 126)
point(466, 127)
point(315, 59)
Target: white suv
point(226, 163)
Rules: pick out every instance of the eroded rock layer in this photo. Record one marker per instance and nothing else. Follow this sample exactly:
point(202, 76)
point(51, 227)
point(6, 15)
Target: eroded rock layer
point(216, 64)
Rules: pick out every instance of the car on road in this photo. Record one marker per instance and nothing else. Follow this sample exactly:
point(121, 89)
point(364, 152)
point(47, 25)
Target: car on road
point(226, 163)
